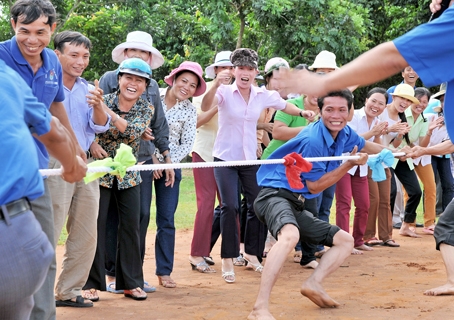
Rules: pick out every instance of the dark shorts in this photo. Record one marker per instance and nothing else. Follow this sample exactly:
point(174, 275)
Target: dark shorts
point(278, 207)
point(444, 230)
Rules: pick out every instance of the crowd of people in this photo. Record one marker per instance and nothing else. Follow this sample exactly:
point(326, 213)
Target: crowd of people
point(266, 211)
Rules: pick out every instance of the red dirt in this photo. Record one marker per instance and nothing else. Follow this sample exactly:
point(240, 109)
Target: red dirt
point(386, 283)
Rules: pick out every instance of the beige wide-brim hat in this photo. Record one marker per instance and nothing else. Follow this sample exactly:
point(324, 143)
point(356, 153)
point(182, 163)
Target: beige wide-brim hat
point(442, 91)
point(405, 91)
point(222, 59)
point(324, 59)
point(142, 41)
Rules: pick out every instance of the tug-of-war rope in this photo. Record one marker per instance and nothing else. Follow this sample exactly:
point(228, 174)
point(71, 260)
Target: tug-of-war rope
point(124, 161)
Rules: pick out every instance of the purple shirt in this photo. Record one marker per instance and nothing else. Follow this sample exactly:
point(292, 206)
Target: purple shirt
point(80, 114)
point(237, 134)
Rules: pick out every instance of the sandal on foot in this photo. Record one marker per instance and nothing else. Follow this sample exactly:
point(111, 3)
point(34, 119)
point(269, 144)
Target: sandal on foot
point(391, 243)
point(90, 294)
point(297, 256)
point(202, 267)
point(209, 260)
point(256, 266)
point(136, 294)
point(373, 242)
point(167, 282)
point(147, 288)
point(79, 303)
point(228, 276)
point(239, 261)
point(111, 288)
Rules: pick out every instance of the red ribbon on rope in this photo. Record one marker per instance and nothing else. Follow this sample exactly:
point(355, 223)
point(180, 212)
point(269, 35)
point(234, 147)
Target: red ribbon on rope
point(295, 165)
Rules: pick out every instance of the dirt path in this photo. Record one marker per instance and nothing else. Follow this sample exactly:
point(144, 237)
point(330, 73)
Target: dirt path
point(384, 284)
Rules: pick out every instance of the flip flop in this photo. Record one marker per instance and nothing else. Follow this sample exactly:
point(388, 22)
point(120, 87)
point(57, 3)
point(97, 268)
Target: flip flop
point(373, 242)
point(390, 243)
point(111, 288)
point(79, 303)
point(147, 288)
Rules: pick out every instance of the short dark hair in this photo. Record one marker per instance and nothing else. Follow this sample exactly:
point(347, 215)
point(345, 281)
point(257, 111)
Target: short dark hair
point(421, 92)
point(32, 10)
point(346, 94)
point(377, 90)
point(71, 37)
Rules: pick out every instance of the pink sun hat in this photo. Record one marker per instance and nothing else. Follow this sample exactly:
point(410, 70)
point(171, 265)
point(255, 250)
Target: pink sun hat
point(193, 67)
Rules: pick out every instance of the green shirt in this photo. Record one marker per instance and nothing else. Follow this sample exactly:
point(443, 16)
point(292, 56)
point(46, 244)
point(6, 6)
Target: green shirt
point(290, 121)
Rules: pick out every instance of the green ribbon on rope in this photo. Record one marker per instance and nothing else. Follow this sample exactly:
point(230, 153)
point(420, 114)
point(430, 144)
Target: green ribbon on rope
point(123, 160)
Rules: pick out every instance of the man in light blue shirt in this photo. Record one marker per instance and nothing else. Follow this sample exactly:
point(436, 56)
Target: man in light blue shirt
point(78, 202)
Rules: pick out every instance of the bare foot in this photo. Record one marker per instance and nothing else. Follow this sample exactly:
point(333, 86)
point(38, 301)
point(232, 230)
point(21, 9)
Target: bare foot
point(356, 251)
point(311, 265)
point(363, 247)
point(447, 289)
point(315, 292)
point(260, 315)
point(406, 231)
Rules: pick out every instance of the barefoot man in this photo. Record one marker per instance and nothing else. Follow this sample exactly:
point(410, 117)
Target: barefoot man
point(444, 230)
point(281, 206)
point(382, 62)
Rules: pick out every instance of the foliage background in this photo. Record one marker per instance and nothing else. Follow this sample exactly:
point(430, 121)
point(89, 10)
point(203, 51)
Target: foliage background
point(195, 30)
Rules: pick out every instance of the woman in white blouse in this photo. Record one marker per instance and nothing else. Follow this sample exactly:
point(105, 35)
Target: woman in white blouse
point(184, 82)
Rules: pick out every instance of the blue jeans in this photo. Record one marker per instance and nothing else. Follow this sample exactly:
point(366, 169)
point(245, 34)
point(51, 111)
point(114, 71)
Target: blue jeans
point(26, 256)
point(166, 205)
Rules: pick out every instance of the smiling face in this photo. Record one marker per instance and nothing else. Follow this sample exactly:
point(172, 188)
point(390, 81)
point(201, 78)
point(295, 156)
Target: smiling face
point(74, 59)
point(185, 85)
point(32, 38)
point(244, 76)
point(131, 86)
point(419, 108)
point(218, 69)
point(137, 53)
point(375, 105)
point(410, 76)
point(400, 104)
point(334, 114)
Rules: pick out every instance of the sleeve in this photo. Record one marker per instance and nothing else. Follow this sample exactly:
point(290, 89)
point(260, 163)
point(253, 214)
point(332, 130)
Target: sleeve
point(424, 128)
point(283, 117)
point(158, 123)
point(187, 136)
point(60, 97)
point(97, 128)
point(274, 100)
point(390, 90)
point(108, 82)
point(429, 51)
point(353, 139)
point(220, 92)
point(36, 115)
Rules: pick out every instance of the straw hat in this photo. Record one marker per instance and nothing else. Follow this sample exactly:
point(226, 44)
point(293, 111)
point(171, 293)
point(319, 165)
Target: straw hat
point(142, 41)
point(442, 91)
point(193, 67)
point(222, 59)
point(405, 91)
point(324, 59)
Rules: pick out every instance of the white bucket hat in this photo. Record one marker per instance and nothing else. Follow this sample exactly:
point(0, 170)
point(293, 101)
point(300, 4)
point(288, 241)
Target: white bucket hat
point(275, 63)
point(222, 59)
point(138, 40)
point(324, 59)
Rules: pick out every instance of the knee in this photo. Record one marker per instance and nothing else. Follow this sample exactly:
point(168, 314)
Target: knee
point(343, 239)
point(289, 235)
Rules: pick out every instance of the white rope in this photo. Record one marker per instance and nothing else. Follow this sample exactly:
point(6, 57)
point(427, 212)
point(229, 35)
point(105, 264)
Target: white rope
point(146, 167)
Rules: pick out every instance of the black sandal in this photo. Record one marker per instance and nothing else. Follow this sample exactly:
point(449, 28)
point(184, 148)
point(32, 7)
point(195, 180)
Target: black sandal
point(79, 303)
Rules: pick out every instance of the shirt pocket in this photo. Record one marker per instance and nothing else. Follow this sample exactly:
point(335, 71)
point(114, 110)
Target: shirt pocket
point(48, 95)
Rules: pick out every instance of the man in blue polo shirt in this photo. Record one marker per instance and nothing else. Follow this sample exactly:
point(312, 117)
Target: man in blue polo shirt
point(25, 250)
point(282, 207)
point(33, 22)
point(434, 64)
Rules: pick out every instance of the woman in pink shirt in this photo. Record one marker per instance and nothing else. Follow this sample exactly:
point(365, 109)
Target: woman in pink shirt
point(239, 107)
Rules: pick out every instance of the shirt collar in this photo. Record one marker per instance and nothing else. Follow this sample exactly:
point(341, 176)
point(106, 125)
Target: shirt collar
point(19, 58)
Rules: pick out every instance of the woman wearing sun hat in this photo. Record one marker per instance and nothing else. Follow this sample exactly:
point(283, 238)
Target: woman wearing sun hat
point(239, 107)
point(130, 116)
point(398, 136)
point(184, 82)
point(205, 185)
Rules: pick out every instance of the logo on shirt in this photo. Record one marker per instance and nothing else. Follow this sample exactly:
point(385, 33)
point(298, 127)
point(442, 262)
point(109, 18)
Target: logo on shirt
point(51, 74)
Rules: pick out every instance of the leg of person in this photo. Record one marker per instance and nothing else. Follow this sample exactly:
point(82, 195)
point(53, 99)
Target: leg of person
point(374, 198)
point(26, 256)
point(426, 175)
point(111, 237)
point(80, 245)
point(308, 250)
point(44, 307)
point(324, 210)
point(411, 184)
point(278, 215)
point(128, 267)
point(145, 204)
point(446, 181)
point(444, 238)
point(166, 205)
point(360, 192)
point(205, 189)
point(216, 226)
point(97, 276)
point(385, 222)
point(227, 182)
point(392, 200)
point(255, 231)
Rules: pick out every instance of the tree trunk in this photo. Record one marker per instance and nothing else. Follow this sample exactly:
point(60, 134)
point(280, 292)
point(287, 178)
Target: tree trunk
point(240, 34)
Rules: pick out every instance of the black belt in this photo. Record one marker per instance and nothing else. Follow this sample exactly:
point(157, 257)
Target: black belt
point(14, 208)
point(88, 154)
point(298, 196)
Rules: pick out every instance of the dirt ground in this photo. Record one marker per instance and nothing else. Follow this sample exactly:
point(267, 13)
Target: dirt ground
point(386, 283)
